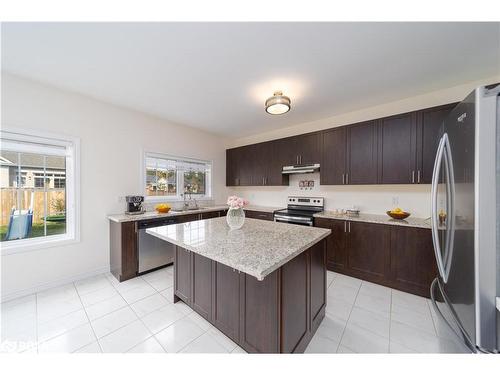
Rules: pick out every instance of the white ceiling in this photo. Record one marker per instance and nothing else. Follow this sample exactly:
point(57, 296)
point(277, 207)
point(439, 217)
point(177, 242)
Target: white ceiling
point(216, 76)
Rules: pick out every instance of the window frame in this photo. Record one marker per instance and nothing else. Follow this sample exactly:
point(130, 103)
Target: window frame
point(179, 179)
point(72, 146)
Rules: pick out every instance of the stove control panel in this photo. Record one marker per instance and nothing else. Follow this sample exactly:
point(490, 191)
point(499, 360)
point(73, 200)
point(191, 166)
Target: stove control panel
point(306, 201)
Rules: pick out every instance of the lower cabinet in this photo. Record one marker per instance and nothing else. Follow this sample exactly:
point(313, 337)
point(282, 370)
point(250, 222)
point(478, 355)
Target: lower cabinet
point(279, 314)
point(269, 216)
point(395, 256)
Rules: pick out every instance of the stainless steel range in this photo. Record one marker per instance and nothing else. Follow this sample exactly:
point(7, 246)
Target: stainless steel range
point(300, 210)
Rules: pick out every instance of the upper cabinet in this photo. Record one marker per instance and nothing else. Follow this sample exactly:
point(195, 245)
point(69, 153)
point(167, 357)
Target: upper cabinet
point(361, 154)
point(398, 149)
point(333, 156)
point(429, 123)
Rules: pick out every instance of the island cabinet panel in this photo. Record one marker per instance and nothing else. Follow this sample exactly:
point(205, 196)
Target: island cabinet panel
point(226, 304)
point(182, 274)
point(318, 284)
point(336, 250)
point(397, 149)
point(202, 285)
point(362, 153)
point(413, 265)
point(333, 157)
point(368, 250)
point(279, 314)
point(294, 298)
point(259, 314)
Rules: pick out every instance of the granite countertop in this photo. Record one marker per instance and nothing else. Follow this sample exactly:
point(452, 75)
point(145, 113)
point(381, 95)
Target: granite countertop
point(257, 249)
point(377, 219)
point(122, 218)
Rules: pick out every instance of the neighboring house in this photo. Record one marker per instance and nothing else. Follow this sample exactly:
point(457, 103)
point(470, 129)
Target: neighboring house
point(32, 171)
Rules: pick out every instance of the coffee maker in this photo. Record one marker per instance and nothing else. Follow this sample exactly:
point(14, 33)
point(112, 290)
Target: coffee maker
point(134, 204)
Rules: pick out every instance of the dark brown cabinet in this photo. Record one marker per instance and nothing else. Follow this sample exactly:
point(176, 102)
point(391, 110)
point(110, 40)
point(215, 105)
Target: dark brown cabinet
point(226, 305)
point(429, 127)
point(269, 216)
point(397, 149)
point(368, 250)
point(361, 154)
point(202, 285)
point(395, 256)
point(336, 253)
point(279, 314)
point(333, 157)
point(412, 259)
point(182, 276)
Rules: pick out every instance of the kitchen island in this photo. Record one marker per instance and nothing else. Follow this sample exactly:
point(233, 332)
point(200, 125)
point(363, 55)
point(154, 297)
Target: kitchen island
point(263, 285)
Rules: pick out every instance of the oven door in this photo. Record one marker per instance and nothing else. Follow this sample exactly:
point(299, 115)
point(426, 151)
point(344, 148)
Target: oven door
point(299, 220)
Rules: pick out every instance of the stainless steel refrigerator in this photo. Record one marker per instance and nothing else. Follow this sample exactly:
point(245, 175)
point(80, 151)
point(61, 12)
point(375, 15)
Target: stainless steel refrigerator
point(465, 229)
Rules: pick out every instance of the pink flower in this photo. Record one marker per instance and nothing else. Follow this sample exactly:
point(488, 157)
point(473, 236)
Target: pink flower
point(236, 202)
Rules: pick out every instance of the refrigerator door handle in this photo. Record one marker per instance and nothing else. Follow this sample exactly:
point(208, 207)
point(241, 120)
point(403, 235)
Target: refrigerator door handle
point(450, 188)
point(434, 213)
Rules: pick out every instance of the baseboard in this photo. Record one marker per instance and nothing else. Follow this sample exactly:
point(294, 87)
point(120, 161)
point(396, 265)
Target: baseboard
point(52, 284)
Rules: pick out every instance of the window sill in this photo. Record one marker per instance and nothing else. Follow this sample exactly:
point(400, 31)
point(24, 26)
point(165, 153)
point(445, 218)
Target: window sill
point(34, 244)
point(164, 199)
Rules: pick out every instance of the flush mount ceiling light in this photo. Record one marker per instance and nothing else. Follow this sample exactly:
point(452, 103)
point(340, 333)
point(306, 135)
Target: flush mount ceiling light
point(278, 104)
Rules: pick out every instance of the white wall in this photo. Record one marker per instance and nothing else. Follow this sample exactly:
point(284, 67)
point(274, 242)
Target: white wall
point(369, 198)
point(112, 142)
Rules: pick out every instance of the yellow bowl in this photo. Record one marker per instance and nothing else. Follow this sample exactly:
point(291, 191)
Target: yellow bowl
point(398, 215)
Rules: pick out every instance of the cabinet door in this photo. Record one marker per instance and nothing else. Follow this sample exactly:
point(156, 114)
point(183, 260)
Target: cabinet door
point(294, 302)
point(259, 159)
point(188, 218)
point(245, 165)
point(318, 283)
point(259, 314)
point(362, 153)
point(333, 157)
point(429, 133)
point(413, 265)
point(336, 255)
point(182, 276)
point(202, 285)
point(368, 250)
point(276, 154)
point(308, 148)
point(230, 167)
point(226, 305)
point(259, 215)
point(210, 215)
point(397, 149)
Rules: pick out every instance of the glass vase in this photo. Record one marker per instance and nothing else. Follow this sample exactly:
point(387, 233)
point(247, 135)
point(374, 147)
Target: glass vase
point(235, 218)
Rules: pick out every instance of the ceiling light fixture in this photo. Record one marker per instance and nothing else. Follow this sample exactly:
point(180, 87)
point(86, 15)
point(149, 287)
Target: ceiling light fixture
point(278, 104)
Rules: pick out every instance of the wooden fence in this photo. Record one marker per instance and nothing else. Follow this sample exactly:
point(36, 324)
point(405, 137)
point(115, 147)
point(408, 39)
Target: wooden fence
point(8, 199)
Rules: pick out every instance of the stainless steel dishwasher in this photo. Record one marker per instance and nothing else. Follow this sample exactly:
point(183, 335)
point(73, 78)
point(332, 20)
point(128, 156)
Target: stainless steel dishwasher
point(153, 252)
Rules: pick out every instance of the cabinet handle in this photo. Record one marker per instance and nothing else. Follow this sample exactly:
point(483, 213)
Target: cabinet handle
point(300, 159)
point(349, 227)
point(347, 178)
point(345, 226)
point(418, 176)
point(412, 177)
point(343, 178)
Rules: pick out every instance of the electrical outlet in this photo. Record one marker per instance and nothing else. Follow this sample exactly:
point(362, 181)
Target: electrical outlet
point(395, 201)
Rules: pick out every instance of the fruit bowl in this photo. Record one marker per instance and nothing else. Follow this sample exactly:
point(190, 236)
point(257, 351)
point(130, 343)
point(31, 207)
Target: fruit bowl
point(398, 215)
point(162, 208)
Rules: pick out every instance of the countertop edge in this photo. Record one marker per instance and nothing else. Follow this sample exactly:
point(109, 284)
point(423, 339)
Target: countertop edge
point(382, 220)
point(259, 276)
point(121, 218)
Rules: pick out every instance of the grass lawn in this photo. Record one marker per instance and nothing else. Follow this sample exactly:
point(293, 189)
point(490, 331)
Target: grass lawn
point(37, 229)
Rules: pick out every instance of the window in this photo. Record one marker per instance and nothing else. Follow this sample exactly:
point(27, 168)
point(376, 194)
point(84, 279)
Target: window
point(168, 178)
point(39, 190)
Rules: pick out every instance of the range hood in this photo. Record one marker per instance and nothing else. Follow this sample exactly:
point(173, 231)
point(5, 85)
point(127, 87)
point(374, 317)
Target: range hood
point(303, 168)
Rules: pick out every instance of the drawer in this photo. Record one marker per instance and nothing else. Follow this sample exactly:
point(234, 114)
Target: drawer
point(259, 215)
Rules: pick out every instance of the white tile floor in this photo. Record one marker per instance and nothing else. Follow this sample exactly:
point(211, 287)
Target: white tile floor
point(100, 314)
